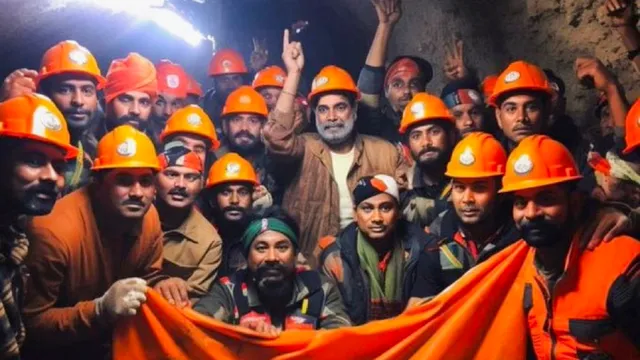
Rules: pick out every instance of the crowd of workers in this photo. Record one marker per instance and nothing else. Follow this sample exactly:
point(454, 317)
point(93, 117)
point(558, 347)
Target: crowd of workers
point(271, 210)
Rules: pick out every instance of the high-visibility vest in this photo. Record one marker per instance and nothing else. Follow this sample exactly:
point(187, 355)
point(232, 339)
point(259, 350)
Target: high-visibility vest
point(575, 320)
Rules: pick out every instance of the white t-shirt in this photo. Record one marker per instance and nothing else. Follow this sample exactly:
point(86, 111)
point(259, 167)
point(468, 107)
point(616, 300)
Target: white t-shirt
point(341, 166)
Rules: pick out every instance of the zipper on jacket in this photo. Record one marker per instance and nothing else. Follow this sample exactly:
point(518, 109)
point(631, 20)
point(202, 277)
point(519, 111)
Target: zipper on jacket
point(549, 318)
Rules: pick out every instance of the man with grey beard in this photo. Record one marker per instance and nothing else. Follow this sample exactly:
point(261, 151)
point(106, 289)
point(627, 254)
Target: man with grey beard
point(324, 168)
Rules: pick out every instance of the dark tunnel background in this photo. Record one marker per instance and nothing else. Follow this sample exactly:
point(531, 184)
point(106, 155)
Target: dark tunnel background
point(334, 34)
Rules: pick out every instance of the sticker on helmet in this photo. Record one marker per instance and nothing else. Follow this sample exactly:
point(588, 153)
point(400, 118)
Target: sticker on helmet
point(78, 57)
point(467, 158)
point(319, 81)
point(232, 169)
point(523, 165)
point(226, 65)
point(280, 79)
point(194, 120)
point(511, 77)
point(418, 110)
point(245, 99)
point(173, 81)
point(43, 117)
point(127, 148)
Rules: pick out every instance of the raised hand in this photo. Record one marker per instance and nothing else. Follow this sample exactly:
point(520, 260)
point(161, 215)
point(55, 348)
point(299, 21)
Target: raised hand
point(18, 83)
point(259, 55)
point(591, 70)
point(389, 11)
point(292, 54)
point(622, 12)
point(454, 67)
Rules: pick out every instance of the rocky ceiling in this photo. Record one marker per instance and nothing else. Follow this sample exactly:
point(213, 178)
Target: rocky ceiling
point(548, 32)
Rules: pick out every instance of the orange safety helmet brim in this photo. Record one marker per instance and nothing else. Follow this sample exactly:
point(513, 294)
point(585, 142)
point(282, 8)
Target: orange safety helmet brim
point(332, 79)
point(191, 120)
point(478, 155)
point(422, 108)
point(245, 100)
point(632, 128)
point(538, 161)
point(231, 168)
point(69, 57)
point(520, 76)
point(125, 147)
point(35, 117)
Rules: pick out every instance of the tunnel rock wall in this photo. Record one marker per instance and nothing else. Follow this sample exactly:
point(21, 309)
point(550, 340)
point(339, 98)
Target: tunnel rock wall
point(550, 33)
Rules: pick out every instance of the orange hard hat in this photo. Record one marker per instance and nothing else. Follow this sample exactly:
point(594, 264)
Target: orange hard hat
point(192, 120)
point(172, 79)
point(488, 84)
point(271, 76)
point(227, 61)
point(478, 155)
point(193, 87)
point(632, 128)
point(538, 161)
point(35, 117)
point(70, 57)
point(332, 78)
point(424, 107)
point(520, 76)
point(245, 100)
point(125, 147)
point(231, 167)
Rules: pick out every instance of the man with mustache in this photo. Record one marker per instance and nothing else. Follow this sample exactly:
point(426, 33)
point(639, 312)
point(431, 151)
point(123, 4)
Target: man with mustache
point(430, 134)
point(270, 295)
point(243, 117)
point(34, 142)
point(192, 247)
point(228, 71)
point(559, 275)
point(69, 75)
point(385, 93)
point(94, 255)
point(321, 169)
point(172, 93)
point(129, 91)
point(373, 260)
point(466, 104)
point(229, 196)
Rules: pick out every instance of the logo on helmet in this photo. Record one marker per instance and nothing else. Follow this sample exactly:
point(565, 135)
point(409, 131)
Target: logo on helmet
point(78, 57)
point(194, 120)
point(511, 77)
point(319, 81)
point(280, 79)
point(467, 158)
point(127, 148)
point(173, 81)
point(245, 99)
point(523, 165)
point(226, 65)
point(47, 119)
point(418, 110)
point(232, 169)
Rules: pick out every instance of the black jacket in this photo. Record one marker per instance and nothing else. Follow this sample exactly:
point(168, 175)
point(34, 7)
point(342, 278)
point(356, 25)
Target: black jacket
point(353, 285)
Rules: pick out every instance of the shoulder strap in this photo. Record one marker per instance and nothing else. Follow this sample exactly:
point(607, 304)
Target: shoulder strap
point(314, 302)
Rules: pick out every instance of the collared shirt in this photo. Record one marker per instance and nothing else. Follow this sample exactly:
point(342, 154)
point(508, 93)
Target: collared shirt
point(193, 252)
point(220, 304)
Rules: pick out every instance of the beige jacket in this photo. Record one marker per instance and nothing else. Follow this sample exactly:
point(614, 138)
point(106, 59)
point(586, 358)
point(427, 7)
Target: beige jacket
point(193, 252)
point(311, 194)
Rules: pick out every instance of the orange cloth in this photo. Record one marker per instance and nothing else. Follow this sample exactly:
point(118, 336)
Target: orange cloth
point(172, 79)
point(479, 317)
point(133, 73)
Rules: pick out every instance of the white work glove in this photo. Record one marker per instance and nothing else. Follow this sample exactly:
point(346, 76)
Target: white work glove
point(123, 298)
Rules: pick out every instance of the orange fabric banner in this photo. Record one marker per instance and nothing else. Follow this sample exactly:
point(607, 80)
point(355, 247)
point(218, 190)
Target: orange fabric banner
point(478, 317)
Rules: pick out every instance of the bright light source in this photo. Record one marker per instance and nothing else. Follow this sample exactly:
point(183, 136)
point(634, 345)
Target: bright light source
point(149, 10)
